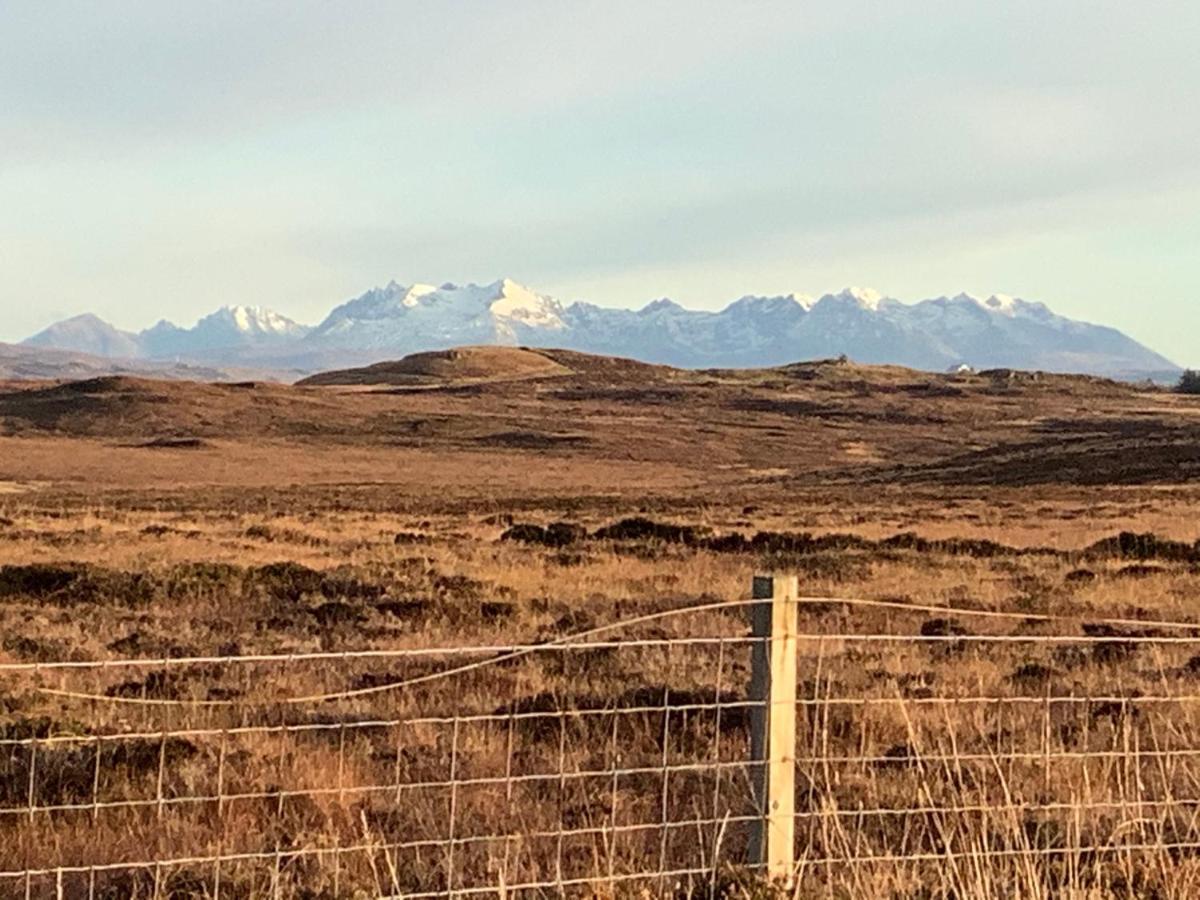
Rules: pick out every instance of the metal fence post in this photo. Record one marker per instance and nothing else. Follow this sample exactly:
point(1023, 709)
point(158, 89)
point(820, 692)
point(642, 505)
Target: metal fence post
point(773, 724)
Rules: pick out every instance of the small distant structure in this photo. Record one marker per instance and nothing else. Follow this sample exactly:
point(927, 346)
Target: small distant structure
point(961, 369)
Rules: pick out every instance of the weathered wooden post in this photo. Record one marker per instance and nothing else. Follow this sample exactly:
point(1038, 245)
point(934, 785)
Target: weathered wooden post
point(773, 724)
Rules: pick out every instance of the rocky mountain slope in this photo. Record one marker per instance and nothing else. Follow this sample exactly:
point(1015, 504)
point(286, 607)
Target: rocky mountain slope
point(394, 320)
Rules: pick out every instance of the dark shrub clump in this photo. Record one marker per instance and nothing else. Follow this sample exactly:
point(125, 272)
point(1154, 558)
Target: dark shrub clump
point(410, 537)
point(1189, 382)
point(557, 534)
point(71, 583)
point(640, 529)
point(1131, 545)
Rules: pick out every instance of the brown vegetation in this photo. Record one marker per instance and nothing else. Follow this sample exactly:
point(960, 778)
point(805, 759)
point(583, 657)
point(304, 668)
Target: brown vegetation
point(164, 522)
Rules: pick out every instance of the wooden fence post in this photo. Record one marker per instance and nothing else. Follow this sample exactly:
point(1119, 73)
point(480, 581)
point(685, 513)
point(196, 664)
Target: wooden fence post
point(773, 724)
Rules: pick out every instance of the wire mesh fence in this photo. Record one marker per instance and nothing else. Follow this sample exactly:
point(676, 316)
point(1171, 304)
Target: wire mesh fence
point(973, 753)
point(421, 772)
point(935, 753)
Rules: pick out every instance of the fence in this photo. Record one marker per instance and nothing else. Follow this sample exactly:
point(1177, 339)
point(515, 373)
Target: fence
point(864, 748)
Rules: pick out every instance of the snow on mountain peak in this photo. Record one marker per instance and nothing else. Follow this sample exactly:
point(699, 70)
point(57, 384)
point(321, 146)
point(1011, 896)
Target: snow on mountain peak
point(515, 301)
point(438, 317)
point(754, 303)
point(252, 321)
point(866, 298)
point(662, 304)
point(415, 293)
point(1001, 303)
point(389, 321)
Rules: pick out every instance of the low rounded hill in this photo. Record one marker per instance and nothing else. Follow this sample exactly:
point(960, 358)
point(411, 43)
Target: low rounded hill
point(440, 366)
point(823, 422)
point(474, 364)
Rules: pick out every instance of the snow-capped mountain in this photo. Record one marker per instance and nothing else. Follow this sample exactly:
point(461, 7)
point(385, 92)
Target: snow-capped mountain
point(231, 328)
point(230, 333)
point(994, 331)
point(394, 320)
point(434, 318)
point(868, 327)
point(934, 334)
point(665, 332)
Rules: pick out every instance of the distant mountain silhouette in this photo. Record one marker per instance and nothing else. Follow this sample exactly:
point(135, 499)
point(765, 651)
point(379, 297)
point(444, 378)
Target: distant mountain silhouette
point(395, 320)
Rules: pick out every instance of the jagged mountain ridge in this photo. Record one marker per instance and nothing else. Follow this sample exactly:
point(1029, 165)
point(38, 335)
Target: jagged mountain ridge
point(395, 320)
point(228, 333)
point(225, 334)
point(435, 318)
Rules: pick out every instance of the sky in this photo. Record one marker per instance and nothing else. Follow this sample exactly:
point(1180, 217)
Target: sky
point(160, 159)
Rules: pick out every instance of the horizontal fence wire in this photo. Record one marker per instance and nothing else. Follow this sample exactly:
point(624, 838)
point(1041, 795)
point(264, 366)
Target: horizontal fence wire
point(285, 659)
point(629, 793)
point(303, 728)
point(579, 641)
point(382, 847)
point(579, 763)
point(288, 659)
point(384, 789)
point(558, 885)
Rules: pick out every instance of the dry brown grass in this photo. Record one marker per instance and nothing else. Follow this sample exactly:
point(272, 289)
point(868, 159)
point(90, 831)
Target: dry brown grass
point(277, 536)
point(208, 586)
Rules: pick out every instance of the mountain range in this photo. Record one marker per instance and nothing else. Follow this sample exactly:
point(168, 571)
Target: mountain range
point(394, 320)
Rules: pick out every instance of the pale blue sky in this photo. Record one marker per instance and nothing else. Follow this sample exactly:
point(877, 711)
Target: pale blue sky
point(159, 159)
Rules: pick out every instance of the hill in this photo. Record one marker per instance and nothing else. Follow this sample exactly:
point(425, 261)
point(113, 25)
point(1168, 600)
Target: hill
point(87, 334)
point(818, 423)
point(19, 362)
point(463, 364)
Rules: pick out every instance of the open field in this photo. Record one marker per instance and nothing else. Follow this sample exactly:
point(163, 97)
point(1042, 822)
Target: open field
point(160, 522)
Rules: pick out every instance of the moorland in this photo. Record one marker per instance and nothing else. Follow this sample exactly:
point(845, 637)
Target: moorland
point(500, 496)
